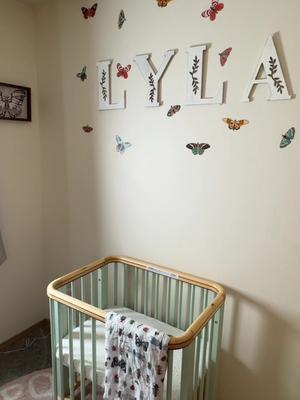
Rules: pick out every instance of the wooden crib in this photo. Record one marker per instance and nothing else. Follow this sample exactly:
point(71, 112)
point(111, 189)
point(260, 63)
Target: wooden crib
point(188, 308)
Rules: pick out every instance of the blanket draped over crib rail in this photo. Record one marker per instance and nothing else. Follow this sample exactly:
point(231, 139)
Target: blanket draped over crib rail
point(2, 251)
point(136, 359)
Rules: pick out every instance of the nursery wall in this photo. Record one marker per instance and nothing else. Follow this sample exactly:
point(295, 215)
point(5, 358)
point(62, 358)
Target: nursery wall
point(21, 292)
point(230, 215)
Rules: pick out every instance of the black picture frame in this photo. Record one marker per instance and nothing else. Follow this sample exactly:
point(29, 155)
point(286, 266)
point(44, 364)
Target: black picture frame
point(15, 102)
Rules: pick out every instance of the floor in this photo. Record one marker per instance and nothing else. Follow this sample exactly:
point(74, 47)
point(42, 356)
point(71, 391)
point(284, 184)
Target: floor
point(25, 355)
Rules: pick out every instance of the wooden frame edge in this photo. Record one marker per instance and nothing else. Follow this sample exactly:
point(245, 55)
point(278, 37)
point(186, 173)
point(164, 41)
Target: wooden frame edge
point(176, 342)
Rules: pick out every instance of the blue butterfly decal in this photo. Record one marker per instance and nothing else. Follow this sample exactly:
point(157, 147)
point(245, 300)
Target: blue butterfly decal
point(288, 137)
point(121, 145)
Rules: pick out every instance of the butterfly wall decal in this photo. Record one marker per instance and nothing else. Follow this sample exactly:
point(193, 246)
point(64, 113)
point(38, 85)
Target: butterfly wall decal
point(123, 71)
point(235, 124)
point(224, 55)
point(287, 137)
point(87, 129)
point(163, 3)
point(89, 12)
point(121, 145)
point(121, 19)
point(198, 148)
point(82, 75)
point(173, 110)
point(213, 10)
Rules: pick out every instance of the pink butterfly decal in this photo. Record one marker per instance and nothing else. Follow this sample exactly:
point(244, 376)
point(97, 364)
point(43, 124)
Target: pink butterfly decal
point(89, 12)
point(123, 71)
point(224, 55)
point(213, 10)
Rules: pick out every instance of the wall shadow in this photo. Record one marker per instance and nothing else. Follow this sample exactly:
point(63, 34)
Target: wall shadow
point(236, 380)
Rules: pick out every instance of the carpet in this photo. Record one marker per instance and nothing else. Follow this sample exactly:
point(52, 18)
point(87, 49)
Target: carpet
point(35, 386)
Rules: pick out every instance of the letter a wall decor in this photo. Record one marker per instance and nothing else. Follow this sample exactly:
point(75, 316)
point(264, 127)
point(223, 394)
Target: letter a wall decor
point(274, 76)
point(151, 77)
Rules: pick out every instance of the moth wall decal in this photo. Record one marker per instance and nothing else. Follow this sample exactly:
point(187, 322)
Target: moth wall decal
point(287, 137)
point(82, 75)
point(121, 19)
point(235, 124)
point(198, 148)
point(173, 110)
point(89, 12)
point(121, 145)
point(213, 10)
point(224, 55)
point(87, 129)
point(163, 3)
point(123, 71)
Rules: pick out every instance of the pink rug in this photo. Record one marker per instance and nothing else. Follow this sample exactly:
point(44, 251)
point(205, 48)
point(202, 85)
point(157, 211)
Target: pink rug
point(38, 386)
point(35, 386)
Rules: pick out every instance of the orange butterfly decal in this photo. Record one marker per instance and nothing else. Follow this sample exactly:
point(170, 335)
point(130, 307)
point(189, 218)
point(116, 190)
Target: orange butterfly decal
point(163, 3)
point(235, 124)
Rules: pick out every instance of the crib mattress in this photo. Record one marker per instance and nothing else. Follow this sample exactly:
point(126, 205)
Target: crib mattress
point(100, 353)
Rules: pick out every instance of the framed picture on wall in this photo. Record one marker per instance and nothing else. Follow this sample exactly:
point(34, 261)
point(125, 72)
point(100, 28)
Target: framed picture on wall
point(15, 102)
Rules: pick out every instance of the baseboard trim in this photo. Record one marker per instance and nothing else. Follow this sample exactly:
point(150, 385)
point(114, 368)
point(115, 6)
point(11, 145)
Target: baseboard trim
point(43, 324)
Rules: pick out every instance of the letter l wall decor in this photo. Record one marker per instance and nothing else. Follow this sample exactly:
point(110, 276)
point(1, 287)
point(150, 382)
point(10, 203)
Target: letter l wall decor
point(104, 82)
point(195, 93)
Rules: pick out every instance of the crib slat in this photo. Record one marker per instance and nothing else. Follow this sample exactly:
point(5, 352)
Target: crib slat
point(94, 361)
point(170, 375)
point(168, 312)
point(156, 296)
point(136, 292)
point(208, 360)
point(179, 324)
point(216, 347)
point(83, 289)
point(203, 348)
point(71, 355)
point(125, 289)
point(176, 304)
point(82, 358)
point(146, 292)
point(187, 368)
point(53, 348)
point(196, 366)
point(94, 290)
point(192, 304)
point(162, 309)
point(153, 286)
point(58, 315)
point(103, 278)
point(115, 284)
point(188, 306)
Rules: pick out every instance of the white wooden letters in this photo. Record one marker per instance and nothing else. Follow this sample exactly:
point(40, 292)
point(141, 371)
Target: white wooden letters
point(268, 61)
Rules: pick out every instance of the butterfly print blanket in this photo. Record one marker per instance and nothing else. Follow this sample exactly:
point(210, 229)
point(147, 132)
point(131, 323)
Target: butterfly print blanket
point(136, 358)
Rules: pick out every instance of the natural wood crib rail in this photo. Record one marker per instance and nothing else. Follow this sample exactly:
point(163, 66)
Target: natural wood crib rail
point(176, 342)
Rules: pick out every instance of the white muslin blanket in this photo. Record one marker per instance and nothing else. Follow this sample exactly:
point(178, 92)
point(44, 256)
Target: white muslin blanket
point(136, 359)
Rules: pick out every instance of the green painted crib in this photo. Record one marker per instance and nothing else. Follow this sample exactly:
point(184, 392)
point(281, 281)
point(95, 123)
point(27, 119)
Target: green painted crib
point(188, 308)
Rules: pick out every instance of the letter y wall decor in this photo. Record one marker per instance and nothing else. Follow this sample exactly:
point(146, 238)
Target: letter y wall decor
point(268, 59)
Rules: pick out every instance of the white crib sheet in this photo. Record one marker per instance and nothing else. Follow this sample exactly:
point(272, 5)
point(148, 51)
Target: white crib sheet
point(100, 337)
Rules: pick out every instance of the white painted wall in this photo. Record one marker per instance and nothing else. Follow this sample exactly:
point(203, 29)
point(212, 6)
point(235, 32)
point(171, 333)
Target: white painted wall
point(21, 292)
point(230, 215)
